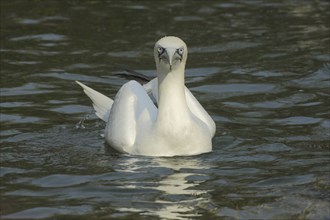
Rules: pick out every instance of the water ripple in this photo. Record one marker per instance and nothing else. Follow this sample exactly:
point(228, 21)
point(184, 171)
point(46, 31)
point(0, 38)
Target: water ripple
point(46, 212)
point(41, 37)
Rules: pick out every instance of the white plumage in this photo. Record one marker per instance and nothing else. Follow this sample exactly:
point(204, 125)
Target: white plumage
point(177, 125)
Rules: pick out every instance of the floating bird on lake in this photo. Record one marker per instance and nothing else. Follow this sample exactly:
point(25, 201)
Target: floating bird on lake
point(160, 118)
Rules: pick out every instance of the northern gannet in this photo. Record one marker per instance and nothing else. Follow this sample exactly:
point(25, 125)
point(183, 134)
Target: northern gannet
point(176, 125)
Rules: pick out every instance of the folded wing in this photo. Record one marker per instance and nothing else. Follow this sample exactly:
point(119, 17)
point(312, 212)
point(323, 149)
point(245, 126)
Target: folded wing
point(132, 113)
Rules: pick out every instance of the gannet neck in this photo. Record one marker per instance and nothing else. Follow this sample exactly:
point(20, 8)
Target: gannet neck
point(170, 56)
point(172, 104)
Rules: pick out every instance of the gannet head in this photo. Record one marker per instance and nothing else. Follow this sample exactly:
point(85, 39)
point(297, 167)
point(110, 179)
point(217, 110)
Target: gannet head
point(170, 53)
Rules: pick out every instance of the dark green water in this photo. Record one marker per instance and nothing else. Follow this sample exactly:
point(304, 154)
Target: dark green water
point(260, 68)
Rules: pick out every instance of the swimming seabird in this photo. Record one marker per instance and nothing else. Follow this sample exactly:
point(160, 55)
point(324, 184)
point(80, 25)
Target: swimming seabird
point(176, 124)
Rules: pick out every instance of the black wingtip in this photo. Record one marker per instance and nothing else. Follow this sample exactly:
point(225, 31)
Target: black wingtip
point(132, 74)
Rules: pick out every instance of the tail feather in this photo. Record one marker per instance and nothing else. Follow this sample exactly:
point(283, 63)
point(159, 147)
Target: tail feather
point(101, 103)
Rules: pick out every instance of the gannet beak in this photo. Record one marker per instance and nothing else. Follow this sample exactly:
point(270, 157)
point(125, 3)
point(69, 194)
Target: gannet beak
point(170, 52)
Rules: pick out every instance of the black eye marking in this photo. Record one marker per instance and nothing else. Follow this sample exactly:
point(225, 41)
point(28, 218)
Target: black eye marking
point(160, 51)
point(180, 52)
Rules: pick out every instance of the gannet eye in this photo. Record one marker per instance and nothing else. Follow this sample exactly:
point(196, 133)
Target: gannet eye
point(180, 51)
point(160, 50)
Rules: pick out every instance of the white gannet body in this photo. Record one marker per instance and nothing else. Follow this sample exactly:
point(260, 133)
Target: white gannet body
point(176, 125)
